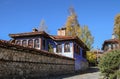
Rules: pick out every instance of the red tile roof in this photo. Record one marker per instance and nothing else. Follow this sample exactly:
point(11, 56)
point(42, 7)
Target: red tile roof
point(66, 38)
point(56, 38)
point(61, 38)
point(29, 34)
point(112, 41)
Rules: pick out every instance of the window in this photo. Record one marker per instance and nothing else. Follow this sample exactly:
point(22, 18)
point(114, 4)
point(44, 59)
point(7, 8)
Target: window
point(36, 43)
point(50, 47)
point(30, 43)
point(118, 45)
point(43, 43)
point(109, 46)
point(24, 43)
point(106, 48)
point(66, 47)
point(59, 48)
point(18, 42)
point(76, 49)
point(113, 46)
point(84, 53)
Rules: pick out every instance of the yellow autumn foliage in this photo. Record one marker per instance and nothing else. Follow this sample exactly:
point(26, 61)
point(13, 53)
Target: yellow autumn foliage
point(73, 28)
point(91, 57)
point(117, 26)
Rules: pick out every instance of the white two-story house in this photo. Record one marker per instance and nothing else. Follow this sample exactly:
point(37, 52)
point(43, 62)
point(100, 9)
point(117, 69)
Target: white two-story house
point(67, 46)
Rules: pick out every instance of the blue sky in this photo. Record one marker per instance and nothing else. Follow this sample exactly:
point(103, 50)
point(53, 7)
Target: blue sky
point(23, 15)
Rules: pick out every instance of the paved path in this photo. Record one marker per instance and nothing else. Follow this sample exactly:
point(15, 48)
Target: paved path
point(91, 73)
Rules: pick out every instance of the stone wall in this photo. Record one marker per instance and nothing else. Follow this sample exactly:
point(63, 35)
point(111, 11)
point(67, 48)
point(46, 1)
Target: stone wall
point(22, 61)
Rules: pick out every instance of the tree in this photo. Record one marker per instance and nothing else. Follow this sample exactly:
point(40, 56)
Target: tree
point(117, 26)
point(43, 26)
point(73, 28)
point(86, 37)
point(72, 25)
point(91, 57)
point(117, 31)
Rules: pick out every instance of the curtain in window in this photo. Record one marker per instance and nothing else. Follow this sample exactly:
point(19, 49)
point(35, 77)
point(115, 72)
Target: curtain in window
point(36, 43)
point(59, 48)
point(24, 43)
point(67, 47)
point(30, 43)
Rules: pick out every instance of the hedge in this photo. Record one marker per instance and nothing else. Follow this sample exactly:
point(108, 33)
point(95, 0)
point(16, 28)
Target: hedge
point(109, 65)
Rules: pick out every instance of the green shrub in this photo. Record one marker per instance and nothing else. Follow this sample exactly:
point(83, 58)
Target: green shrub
point(109, 64)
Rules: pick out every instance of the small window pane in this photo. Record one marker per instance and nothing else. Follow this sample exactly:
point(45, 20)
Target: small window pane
point(36, 43)
point(30, 43)
point(59, 48)
point(77, 49)
point(50, 47)
point(43, 43)
point(24, 43)
point(66, 47)
point(18, 42)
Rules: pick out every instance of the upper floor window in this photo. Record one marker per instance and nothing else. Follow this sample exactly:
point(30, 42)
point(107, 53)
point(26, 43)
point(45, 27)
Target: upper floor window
point(59, 48)
point(117, 45)
point(109, 46)
point(114, 46)
point(106, 48)
point(18, 42)
point(30, 43)
point(76, 49)
point(24, 43)
point(50, 47)
point(67, 47)
point(43, 43)
point(36, 43)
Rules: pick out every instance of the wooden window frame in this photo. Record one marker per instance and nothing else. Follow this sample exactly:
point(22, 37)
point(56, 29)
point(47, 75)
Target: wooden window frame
point(36, 43)
point(30, 43)
point(67, 47)
point(24, 43)
point(59, 48)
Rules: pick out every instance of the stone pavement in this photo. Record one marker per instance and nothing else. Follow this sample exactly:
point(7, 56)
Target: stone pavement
point(91, 73)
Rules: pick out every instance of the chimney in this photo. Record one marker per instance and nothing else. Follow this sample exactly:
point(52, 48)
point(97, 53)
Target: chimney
point(61, 32)
point(113, 36)
point(34, 30)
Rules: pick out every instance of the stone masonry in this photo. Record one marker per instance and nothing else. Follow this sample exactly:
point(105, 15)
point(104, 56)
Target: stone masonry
point(23, 61)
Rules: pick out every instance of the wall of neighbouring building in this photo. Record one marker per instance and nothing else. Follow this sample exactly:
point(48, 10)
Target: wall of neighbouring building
point(20, 61)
